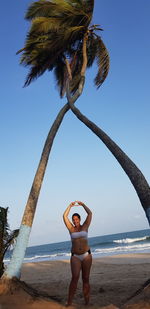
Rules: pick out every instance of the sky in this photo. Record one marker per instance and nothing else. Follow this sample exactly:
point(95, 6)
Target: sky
point(80, 166)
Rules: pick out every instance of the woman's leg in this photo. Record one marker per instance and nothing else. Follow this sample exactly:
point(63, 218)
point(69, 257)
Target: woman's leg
point(75, 269)
point(86, 266)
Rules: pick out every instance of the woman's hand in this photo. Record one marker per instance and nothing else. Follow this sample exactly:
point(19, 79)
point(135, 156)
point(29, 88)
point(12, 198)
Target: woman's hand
point(72, 204)
point(80, 203)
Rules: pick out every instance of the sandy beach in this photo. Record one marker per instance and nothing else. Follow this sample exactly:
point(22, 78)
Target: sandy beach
point(113, 280)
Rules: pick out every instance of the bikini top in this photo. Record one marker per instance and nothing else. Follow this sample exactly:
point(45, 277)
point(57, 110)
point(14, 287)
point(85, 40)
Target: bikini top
point(81, 234)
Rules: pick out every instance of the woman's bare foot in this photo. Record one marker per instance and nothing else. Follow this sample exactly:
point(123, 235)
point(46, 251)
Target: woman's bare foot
point(70, 305)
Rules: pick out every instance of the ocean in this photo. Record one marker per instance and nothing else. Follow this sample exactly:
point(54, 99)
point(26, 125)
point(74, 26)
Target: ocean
point(121, 243)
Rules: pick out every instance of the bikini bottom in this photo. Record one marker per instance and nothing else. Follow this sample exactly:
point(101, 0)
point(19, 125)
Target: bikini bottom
point(81, 257)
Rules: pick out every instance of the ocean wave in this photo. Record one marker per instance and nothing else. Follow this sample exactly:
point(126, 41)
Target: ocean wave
point(121, 241)
point(131, 240)
point(43, 257)
point(120, 249)
point(102, 243)
point(131, 248)
point(48, 256)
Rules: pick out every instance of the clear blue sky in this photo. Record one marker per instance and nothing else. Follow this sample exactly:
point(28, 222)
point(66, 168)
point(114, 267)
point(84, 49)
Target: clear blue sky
point(80, 166)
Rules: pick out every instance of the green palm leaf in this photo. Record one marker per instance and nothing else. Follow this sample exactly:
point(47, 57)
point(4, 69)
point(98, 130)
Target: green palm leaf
point(11, 240)
point(103, 62)
point(59, 8)
point(61, 75)
point(57, 31)
point(7, 237)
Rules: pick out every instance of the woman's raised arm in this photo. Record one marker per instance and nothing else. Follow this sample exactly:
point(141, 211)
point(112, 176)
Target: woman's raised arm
point(89, 214)
point(65, 216)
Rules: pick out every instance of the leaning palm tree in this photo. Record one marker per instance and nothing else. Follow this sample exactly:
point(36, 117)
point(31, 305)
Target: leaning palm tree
point(51, 46)
point(133, 172)
point(135, 175)
point(7, 237)
point(57, 32)
point(97, 50)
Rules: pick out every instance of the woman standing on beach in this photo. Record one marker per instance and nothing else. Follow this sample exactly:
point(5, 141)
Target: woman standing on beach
point(81, 258)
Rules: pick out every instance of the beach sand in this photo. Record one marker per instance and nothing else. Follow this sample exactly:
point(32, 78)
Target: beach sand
point(113, 280)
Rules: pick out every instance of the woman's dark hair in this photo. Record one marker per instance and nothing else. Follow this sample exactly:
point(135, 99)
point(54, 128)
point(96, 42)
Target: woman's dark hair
point(77, 215)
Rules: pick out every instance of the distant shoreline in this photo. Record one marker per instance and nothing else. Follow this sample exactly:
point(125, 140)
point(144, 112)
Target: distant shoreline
point(113, 257)
point(134, 242)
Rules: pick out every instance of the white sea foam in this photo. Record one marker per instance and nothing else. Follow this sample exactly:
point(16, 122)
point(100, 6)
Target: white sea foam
point(129, 240)
point(123, 249)
point(134, 242)
point(47, 257)
point(37, 258)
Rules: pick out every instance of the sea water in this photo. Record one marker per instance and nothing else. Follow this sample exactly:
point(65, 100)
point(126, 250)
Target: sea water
point(121, 243)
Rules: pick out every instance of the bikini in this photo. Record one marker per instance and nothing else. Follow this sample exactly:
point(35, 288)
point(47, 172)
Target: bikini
point(81, 234)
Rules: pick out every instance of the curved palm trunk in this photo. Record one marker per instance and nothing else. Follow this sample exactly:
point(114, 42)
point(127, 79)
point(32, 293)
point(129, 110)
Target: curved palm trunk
point(135, 175)
point(14, 267)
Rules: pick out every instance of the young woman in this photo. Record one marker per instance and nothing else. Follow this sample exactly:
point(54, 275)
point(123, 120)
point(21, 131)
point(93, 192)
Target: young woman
point(81, 258)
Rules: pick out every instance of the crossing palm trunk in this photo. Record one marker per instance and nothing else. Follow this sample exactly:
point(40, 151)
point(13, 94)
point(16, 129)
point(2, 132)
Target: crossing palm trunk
point(135, 175)
point(14, 267)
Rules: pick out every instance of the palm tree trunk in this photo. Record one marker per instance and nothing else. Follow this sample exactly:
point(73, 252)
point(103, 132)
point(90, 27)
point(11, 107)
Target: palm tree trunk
point(135, 175)
point(85, 60)
point(14, 267)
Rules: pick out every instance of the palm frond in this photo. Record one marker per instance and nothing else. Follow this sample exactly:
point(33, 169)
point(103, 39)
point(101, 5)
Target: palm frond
point(34, 73)
point(57, 31)
point(57, 8)
point(7, 237)
point(89, 6)
point(76, 65)
point(61, 75)
point(103, 62)
point(91, 49)
point(39, 9)
point(10, 240)
point(44, 25)
point(20, 50)
point(56, 28)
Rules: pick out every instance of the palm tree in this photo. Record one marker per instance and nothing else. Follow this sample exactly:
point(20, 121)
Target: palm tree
point(7, 237)
point(57, 32)
point(60, 39)
point(97, 50)
point(135, 175)
point(14, 267)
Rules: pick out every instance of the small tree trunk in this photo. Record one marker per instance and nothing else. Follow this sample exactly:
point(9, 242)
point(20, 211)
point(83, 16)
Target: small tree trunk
point(68, 69)
point(85, 60)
